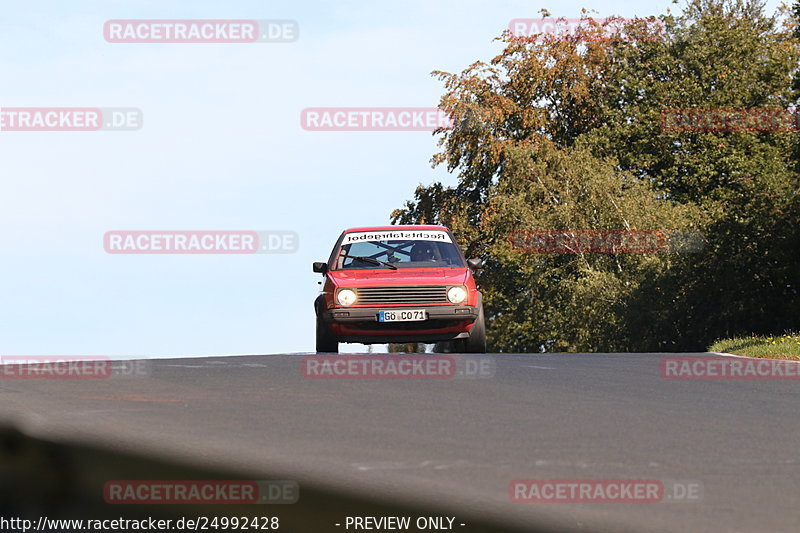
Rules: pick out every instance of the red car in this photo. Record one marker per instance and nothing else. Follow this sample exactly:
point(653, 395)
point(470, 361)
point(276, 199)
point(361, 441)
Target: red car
point(397, 284)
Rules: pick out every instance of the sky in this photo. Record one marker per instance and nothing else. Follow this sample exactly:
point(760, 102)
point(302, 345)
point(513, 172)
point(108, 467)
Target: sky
point(221, 147)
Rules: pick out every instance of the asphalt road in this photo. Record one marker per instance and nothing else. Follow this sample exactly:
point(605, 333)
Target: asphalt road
point(458, 442)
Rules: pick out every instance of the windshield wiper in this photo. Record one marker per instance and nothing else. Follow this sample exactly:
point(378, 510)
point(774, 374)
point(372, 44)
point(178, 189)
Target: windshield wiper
point(371, 261)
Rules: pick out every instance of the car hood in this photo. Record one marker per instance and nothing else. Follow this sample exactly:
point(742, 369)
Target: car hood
point(401, 276)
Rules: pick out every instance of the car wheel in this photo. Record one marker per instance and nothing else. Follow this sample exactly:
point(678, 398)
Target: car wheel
point(326, 342)
point(476, 342)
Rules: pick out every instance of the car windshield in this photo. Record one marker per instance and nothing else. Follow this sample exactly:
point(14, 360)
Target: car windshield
point(400, 253)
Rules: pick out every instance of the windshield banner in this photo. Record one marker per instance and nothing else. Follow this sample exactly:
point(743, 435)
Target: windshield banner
point(400, 235)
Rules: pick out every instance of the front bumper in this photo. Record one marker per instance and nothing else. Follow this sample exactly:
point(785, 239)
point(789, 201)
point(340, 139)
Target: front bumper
point(360, 324)
point(349, 315)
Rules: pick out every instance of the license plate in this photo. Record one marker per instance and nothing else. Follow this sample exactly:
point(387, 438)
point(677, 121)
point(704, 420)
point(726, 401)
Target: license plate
point(406, 315)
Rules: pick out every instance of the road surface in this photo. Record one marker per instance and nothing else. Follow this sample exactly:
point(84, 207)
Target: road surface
point(457, 443)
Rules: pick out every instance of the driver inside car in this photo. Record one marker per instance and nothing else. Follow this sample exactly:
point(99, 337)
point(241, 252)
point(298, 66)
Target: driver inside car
point(422, 252)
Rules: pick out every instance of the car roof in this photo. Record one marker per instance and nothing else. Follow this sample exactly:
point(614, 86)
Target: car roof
point(395, 228)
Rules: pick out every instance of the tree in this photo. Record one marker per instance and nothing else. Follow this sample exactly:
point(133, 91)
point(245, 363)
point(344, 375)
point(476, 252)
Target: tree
point(566, 133)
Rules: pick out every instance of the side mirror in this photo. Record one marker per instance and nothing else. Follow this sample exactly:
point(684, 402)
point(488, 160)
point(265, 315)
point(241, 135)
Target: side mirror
point(475, 263)
point(322, 268)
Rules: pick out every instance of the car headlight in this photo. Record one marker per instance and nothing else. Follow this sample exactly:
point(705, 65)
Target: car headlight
point(457, 294)
point(346, 297)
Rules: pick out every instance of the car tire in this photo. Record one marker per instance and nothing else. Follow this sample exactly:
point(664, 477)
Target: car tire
point(326, 342)
point(476, 342)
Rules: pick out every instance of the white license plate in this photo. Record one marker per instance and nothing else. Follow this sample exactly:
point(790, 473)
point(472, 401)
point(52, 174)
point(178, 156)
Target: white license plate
point(405, 315)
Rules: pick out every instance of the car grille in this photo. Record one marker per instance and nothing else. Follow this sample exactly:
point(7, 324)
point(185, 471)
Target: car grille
point(401, 295)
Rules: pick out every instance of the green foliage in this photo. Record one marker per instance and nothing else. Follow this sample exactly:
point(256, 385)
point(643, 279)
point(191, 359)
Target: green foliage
point(786, 346)
point(566, 134)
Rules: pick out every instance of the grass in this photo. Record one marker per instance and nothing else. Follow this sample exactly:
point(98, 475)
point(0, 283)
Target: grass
point(786, 346)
